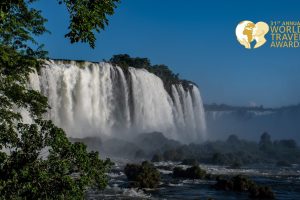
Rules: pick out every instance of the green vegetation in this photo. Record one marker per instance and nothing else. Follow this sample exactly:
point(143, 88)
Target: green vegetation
point(241, 183)
point(125, 61)
point(86, 18)
point(143, 176)
point(167, 76)
point(194, 172)
point(265, 143)
point(176, 154)
point(235, 152)
point(147, 176)
point(36, 160)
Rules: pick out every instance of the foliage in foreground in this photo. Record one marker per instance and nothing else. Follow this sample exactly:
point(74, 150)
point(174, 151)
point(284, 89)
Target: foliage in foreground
point(143, 176)
point(64, 174)
point(36, 159)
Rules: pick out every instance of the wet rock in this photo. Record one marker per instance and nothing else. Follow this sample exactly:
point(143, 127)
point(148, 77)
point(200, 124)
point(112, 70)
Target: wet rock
point(194, 172)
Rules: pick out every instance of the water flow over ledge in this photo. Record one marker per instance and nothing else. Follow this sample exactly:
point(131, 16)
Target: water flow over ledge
point(98, 99)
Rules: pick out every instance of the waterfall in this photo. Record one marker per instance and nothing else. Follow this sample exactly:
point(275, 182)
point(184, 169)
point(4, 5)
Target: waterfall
point(96, 99)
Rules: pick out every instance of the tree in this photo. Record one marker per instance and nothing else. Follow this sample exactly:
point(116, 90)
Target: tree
point(143, 176)
point(291, 144)
point(162, 71)
point(241, 183)
point(125, 61)
point(173, 155)
point(233, 139)
point(36, 160)
point(194, 172)
point(265, 143)
point(157, 158)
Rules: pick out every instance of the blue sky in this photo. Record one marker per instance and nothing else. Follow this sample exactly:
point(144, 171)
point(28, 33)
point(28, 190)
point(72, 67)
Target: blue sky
point(197, 40)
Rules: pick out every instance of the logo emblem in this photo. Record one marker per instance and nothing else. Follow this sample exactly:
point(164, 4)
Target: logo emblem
point(246, 32)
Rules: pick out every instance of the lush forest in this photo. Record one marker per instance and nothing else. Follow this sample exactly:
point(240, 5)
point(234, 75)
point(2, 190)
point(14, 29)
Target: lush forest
point(235, 152)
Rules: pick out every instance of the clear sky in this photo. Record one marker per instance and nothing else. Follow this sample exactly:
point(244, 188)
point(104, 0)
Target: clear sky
point(197, 40)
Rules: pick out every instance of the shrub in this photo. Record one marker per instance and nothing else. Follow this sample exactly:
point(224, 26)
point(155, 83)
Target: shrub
point(261, 192)
point(143, 176)
point(243, 184)
point(194, 172)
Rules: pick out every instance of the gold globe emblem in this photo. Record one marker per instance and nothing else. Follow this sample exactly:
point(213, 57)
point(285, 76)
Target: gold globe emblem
point(247, 32)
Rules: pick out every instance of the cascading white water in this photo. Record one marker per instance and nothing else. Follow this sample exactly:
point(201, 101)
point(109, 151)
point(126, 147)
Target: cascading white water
point(89, 99)
point(152, 106)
